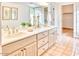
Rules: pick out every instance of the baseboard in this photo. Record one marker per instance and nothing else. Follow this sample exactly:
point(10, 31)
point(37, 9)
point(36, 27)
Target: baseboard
point(67, 28)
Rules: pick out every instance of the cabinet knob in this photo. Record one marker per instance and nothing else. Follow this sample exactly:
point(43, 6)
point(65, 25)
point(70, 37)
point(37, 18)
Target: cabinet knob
point(21, 50)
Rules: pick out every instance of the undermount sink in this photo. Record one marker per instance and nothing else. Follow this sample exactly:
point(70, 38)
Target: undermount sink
point(14, 34)
point(11, 34)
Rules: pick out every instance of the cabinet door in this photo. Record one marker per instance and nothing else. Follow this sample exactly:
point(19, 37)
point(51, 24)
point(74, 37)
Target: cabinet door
point(42, 42)
point(51, 41)
point(31, 50)
point(18, 53)
point(52, 38)
point(42, 49)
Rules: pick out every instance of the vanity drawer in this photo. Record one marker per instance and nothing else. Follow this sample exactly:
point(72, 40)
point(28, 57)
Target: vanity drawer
point(52, 31)
point(20, 52)
point(9, 48)
point(42, 41)
point(43, 34)
point(52, 40)
point(42, 49)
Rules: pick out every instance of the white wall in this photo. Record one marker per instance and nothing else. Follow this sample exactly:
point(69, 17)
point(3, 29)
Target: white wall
point(23, 14)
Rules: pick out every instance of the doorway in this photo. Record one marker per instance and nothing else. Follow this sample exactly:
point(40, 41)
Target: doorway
point(67, 19)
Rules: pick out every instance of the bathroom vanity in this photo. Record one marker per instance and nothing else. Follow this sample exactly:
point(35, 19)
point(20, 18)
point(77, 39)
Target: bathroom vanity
point(34, 43)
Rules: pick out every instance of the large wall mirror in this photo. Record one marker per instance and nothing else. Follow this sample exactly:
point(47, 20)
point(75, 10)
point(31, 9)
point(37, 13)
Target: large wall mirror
point(6, 13)
point(14, 13)
point(51, 16)
point(37, 16)
point(42, 16)
point(46, 15)
point(9, 13)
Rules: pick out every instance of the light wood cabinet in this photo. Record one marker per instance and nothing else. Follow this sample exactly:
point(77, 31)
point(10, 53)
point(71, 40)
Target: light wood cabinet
point(31, 46)
point(42, 41)
point(52, 37)
point(19, 52)
point(29, 50)
point(42, 49)
point(42, 34)
point(9, 48)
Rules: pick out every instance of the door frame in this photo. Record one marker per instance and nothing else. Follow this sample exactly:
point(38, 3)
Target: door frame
point(73, 17)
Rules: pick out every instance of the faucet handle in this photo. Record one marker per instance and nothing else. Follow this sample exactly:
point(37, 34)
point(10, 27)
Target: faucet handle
point(16, 30)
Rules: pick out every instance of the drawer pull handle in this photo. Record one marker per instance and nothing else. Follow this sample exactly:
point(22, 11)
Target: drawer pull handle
point(24, 48)
point(21, 50)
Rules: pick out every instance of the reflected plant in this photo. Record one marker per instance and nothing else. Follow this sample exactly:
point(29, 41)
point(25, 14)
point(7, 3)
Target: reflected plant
point(26, 24)
point(23, 24)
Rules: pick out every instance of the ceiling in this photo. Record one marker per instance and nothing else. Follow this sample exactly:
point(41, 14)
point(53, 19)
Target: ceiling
point(34, 4)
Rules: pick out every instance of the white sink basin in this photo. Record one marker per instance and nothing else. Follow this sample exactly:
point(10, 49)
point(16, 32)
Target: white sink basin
point(16, 34)
point(5, 34)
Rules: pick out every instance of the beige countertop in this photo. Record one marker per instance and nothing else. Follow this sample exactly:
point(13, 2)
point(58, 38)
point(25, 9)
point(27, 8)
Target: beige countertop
point(23, 34)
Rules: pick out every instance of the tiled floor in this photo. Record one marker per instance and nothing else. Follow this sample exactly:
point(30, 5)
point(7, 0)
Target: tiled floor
point(63, 48)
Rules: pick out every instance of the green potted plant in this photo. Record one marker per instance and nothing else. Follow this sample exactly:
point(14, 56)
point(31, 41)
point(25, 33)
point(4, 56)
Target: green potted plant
point(30, 28)
point(29, 25)
point(23, 24)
